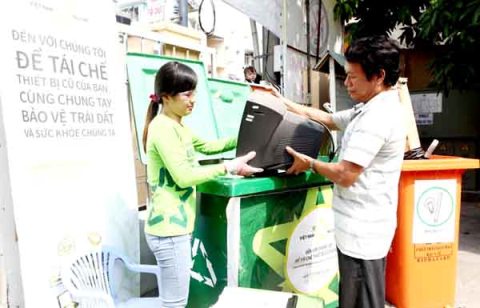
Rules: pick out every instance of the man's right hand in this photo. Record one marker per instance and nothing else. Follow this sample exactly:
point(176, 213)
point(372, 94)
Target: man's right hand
point(301, 162)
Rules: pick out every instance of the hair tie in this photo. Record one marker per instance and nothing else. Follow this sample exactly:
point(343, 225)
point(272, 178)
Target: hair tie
point(154, 98)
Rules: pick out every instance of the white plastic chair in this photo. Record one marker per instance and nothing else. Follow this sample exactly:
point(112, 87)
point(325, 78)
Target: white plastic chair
point(89, 279)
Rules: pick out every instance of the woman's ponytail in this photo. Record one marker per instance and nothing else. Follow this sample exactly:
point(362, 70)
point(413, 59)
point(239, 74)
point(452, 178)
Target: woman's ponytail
point(152, 111)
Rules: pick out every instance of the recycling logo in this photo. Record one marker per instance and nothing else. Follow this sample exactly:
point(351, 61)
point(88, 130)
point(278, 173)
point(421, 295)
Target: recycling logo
point(205, 273)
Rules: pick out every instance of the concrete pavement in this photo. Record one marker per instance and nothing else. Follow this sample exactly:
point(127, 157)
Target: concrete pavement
point(468, 262)
point(468, 265)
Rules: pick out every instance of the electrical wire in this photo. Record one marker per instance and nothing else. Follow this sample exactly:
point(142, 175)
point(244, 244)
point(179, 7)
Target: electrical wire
point(271, 79)
point(332, 151)
point(208, 33)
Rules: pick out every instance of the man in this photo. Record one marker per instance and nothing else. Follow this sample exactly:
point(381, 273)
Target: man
point(251, 75)
point(368, 168)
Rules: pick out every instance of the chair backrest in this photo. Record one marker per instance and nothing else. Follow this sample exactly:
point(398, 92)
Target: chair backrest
point(89, 276)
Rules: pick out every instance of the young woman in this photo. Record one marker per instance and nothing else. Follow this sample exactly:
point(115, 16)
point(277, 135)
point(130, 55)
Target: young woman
point(173, 172)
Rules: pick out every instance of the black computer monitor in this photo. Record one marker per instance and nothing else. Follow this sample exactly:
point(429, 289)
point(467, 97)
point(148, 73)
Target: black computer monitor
point(267, 128)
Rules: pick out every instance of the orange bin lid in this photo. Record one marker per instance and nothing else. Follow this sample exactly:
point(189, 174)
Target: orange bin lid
point(440, 162)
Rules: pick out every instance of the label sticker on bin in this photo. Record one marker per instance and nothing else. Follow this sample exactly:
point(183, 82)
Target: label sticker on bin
point(433, 252)
point(434, 212)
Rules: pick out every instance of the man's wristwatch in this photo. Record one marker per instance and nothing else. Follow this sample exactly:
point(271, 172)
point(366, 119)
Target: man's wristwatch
point(311, 166)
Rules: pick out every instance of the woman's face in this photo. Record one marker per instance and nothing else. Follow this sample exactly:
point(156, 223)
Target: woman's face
point(179, 105)
point(250, 76)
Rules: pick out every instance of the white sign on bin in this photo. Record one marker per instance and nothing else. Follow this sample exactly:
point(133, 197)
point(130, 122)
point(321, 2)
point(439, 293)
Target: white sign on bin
point(434, 211)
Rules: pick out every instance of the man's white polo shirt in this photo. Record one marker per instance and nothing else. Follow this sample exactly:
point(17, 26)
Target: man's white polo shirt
point(366, 212)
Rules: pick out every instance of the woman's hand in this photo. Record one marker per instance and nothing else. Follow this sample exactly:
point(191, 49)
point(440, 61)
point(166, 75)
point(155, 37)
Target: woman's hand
point(239, 165)
point(301, 162)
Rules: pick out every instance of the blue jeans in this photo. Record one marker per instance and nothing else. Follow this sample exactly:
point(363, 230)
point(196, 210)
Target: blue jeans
point(173, 254)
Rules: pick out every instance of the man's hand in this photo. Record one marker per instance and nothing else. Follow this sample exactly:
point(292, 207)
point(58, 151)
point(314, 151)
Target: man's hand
point(343, 173)
point(301, 162)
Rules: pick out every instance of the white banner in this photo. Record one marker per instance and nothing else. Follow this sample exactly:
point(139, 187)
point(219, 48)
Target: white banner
point(68, 139)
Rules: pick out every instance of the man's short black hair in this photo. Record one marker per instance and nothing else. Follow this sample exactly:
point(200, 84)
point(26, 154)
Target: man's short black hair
point(375, 53)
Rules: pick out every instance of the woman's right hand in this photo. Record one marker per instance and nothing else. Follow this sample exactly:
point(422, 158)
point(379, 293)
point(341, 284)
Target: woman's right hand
point(239, 166)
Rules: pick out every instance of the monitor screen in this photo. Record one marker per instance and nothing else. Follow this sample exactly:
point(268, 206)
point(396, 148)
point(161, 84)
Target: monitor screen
point(267, 128)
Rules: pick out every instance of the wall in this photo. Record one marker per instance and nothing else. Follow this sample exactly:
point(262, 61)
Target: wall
point(457, 126)
point(330, 34)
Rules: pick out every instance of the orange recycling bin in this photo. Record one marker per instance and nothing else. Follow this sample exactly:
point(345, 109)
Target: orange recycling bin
point(421, 265)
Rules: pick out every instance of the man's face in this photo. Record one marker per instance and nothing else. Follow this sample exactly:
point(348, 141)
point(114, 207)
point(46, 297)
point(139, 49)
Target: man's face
point(250, 76)
point(359, 88)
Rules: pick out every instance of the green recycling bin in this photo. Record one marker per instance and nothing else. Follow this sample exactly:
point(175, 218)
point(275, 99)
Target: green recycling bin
point(272, 233)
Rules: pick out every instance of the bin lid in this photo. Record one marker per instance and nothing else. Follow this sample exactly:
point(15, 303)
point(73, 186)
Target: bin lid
point(141, 75)
point(228, 101)
point(236, 186)
point(441, 162)
point(239, 186)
